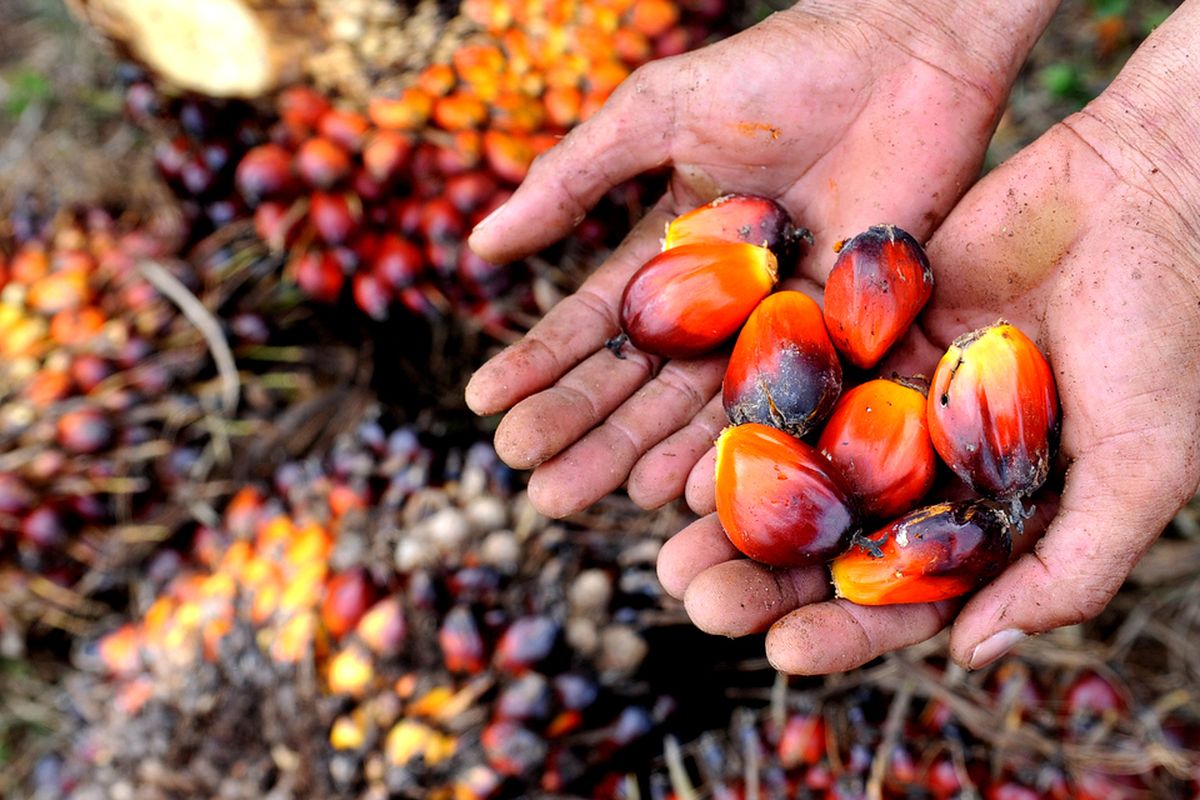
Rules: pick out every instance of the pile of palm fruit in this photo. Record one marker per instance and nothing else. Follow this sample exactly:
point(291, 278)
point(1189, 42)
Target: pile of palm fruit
point(128, 377)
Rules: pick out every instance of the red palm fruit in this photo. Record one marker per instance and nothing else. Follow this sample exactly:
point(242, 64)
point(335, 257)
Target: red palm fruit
point(44, 528)
point(878, 285)
point(993, 411)
point(527, 642)
point(346, 128)
point(470, 191)
point(783, 371)
point(441, 221)
point(1007, 790)
point(735, 218)
point(368, 190)
point(265, 172)
point(386, 153)
point(462, 646)
point(347, 597)
point(84, 431)
point(437, 79)
point(878, 438)
point(371, 295)
point(397, 263)
point(405, 215)
point(942, 779)
point(776, 499)
point(802, 741)
point(688, 300)
point(333, 217)
point(481, 277)
point(322, 163)
point(302, 107)
point(1087, 701)
point(383, 628)
point(933, 553)
point(653, 17)
point(171, 156)
point(320, 275)
point(274, 225)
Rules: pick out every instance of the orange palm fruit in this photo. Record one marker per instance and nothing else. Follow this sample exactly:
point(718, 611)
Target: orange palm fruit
point(933, 553)
point(777, 499)
point(879, 283)
point(736, 218)
point(383, 628)
point(687, 300)
point(878, 438)
point(408, 112)
point(993, 411)
point(783, 371)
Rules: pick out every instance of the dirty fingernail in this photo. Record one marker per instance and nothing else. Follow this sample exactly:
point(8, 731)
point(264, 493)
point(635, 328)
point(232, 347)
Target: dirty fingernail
point(995, 646)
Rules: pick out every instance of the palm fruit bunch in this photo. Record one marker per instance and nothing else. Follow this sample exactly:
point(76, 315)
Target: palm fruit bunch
point(373, 198)
point(119, 384)
point(871, 456)
point(1062, 721)
point(393, 621)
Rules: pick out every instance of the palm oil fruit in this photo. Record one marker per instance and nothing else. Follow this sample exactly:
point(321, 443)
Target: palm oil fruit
point(934, 553)
point(878, 285)
point(687, 300)
point(777, 499)
point(878, 438)
point(993, 411)
point(783, 371)
point(735, 218)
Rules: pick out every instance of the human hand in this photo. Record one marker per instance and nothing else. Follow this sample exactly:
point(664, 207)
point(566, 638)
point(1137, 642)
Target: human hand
point(1087, 241)
point(846, 113)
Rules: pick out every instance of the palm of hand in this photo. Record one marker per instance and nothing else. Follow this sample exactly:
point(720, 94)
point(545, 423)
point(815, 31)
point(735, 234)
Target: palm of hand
point(862, 132)
point(1081, 256)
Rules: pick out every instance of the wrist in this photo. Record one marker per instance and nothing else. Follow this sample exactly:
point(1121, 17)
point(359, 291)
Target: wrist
point(981, 43)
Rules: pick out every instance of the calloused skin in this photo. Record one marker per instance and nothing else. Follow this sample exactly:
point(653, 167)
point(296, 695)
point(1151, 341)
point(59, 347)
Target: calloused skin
point(1088, 241)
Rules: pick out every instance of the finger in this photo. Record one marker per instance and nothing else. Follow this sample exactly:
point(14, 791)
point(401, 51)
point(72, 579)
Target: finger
point(694, 549)
point(1115, 503)
point(837, 636)
point(600, 462)
point(662, 473)
point(572, 330)
point(630, 134)
point(701, 485)
point(540, 426)
point(741, 597)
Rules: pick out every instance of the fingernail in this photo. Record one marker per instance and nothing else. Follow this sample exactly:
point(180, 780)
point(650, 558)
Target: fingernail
point(995, 646)
point(490, 218)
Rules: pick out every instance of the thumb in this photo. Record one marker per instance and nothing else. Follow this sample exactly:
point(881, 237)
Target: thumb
point(630, 134)
point(1117, 500)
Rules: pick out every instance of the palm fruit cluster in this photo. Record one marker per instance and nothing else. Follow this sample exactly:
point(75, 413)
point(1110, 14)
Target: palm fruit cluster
point(990, 413)
point(373, 198)
point(1049, 729)
point(405, 627)
point(112, 398)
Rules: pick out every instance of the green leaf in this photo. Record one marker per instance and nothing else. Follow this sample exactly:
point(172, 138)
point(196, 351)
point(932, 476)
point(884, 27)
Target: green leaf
point(26, 88)
point(1061, 80)
point(1110, 8)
